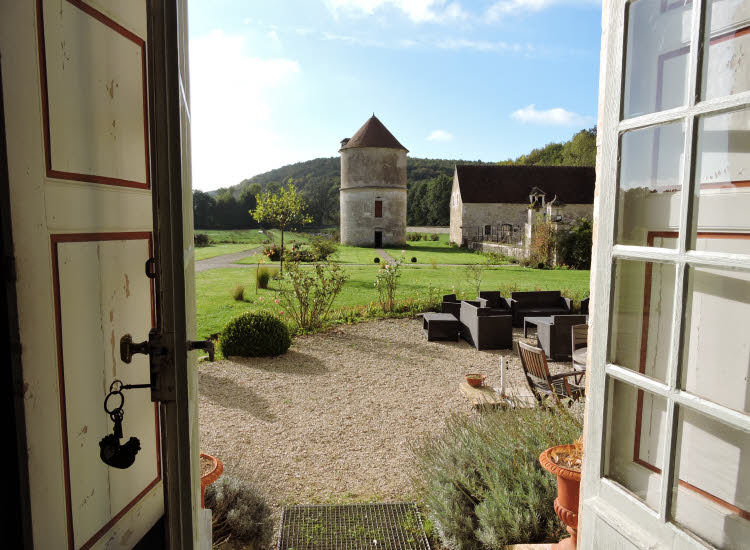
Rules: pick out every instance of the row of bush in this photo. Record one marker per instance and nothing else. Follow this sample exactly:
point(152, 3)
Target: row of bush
point(422, 237)
point(319, 249)
point(376, 259)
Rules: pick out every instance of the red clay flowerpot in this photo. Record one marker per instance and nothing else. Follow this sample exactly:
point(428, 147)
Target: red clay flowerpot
point(209, 477)
point(475, 380)
point(568, 488)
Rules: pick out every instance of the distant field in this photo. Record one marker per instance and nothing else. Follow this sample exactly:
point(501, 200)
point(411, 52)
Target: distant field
point(216, 306)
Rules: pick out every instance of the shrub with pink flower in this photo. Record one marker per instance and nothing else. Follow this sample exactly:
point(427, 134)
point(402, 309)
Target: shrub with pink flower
point(386, 282)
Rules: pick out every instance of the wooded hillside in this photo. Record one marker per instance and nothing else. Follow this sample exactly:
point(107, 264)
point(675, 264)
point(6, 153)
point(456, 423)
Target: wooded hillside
point(429, 182)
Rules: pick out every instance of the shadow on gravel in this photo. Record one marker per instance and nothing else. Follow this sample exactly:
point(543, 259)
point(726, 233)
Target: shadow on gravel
point(292, 362)
point(225, 392)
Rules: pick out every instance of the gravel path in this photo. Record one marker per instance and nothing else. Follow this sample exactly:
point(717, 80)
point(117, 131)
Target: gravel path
point(226, 260)
point(332, 419)
point(383, 254)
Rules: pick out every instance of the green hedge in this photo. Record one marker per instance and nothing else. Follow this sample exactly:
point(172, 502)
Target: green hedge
point(256, 334)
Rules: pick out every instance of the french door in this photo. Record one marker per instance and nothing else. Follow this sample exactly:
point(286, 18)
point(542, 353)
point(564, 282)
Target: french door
point(668, 422)
point(96, 107)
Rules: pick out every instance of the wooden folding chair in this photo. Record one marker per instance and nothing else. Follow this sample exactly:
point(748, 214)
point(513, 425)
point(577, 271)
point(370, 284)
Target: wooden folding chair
point(579, 335)
point(541, 382)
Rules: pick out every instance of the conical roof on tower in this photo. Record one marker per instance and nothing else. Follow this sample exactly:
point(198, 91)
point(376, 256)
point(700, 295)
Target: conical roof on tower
point(373, 134)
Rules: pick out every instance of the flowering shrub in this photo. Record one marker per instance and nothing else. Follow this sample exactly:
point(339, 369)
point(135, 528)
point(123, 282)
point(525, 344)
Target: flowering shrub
point(273, 252)
point(386, 281)
point(308, 294)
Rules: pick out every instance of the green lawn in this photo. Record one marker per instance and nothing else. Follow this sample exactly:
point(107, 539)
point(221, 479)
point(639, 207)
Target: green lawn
point(424, 251)
point(252, 236)
point(216, 306)
point(439, 251)
point(343, 255)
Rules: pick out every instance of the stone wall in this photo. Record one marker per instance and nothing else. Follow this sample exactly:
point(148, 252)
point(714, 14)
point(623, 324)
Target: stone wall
point(369, 174)
point(519, 252)
point(456, 208)
point(467, 217)
point(359, 224)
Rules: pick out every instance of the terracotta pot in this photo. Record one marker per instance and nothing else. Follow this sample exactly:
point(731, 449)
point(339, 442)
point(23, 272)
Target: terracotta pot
point(209, 477)
point(475, 380)
point(568, 489)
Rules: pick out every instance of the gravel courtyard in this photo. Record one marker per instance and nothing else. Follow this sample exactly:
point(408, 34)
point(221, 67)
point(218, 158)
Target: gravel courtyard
point(332, 419)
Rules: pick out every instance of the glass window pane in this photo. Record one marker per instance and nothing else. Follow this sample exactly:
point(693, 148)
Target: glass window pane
point(641, 326)
point(716, 357)
point(634, 448)
point(723, 183)
point(712, 497)
point(656, 56)
point(728, 35)
point(650, 185)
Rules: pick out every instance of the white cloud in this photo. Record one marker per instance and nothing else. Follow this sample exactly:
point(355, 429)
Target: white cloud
point(482, 45)
point(231, 93)
point(440, 135)
point(550, 117)
point(419, 11)
point(502, 8)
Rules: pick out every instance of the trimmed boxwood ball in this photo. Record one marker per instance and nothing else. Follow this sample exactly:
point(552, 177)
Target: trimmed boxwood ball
point(413, 259)
point(376, 259)
point(256, 334)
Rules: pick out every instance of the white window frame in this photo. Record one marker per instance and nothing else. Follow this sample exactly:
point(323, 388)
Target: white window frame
point(604, 498)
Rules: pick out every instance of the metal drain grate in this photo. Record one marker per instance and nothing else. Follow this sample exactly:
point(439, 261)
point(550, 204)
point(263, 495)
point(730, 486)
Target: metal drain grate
point(391, 526)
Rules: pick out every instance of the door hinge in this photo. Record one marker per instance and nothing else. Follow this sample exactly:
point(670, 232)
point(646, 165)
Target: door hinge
point(161, 364)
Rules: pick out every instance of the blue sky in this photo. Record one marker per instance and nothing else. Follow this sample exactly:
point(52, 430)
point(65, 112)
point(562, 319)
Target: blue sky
point(282, 81)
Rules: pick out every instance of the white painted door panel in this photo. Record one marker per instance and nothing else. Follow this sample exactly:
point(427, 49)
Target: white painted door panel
point(75, 93)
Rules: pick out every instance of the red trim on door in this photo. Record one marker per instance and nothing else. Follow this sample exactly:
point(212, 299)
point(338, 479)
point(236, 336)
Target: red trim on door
point(138, 41)
point(55, 239)
point(642, 365)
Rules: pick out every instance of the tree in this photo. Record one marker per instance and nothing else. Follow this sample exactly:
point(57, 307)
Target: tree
point(574, 247)
point(283, 210)
point(203, 210)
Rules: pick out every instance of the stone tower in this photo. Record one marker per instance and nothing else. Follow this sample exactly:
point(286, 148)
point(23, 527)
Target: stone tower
point(373, 188)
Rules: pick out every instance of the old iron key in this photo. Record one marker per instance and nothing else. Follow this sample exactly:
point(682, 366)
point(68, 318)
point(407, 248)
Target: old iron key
point(111, 451)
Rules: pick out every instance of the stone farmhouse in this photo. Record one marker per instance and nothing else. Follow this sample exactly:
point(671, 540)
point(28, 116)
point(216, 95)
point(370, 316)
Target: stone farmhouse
point(502, 203)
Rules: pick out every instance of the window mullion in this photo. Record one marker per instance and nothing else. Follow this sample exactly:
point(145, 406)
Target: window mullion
point(669, 439)
point(714, 105)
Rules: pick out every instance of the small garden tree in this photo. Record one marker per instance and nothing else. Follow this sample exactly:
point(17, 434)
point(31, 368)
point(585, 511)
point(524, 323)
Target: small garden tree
point(543, 243)
point(475, 273)
point(283, 210)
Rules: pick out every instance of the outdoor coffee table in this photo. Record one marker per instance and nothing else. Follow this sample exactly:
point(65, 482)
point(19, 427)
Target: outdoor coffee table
point(440, 326)
point(536, 321)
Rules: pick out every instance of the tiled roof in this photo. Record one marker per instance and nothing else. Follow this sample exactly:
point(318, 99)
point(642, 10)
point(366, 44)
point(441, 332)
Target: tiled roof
point(373, 134)
point(513, 184)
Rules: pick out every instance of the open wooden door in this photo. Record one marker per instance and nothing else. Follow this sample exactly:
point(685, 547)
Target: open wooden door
point(96, 121)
